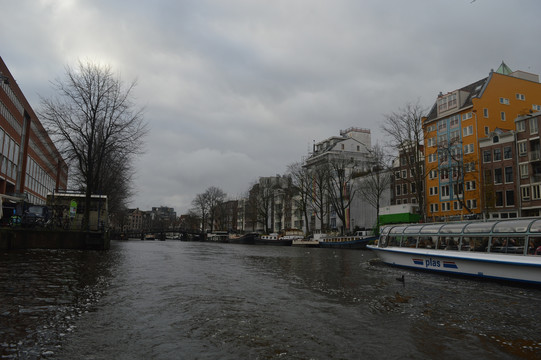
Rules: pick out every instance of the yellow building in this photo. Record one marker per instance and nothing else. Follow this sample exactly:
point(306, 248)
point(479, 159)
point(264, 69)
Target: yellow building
point(452, 129)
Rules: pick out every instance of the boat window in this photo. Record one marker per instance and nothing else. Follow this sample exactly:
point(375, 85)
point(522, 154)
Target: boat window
point(534, 245)
point(427, 242)
point(394, 240)
point(479, 227)
point(536, 226)
point(409, 241)
point(386, 230)
point(431, 229)
point(474, 243)
point(413, 229)
point(382, 242)
point(507, 244)
point(452, 228)
point(448, 242)
point(397, 230)
point(518, 226)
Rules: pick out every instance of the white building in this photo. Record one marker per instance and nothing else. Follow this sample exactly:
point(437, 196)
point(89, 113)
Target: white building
point(353, 144)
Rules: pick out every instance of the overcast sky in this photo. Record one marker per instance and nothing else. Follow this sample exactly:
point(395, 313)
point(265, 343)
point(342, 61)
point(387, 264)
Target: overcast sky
point(238, 89)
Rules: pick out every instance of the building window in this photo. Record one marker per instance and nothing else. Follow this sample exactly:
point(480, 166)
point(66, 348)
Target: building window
point(468, 149)
point(470, 185)
point(432, 157)
point(504, 101)
point(485, 112)
point(431, 142)
point(507, 153)
point(430, 128)
point(404, 189)
point(525, 192)
point(472, 204)
point(453, 122)
point(398, 190)
point(498, 176)
point(442, 125)
point(509, 198)
point(522, 148)
point(487, 156)
point(487, 130)
point(508, 174)
point(533, 126)
point(497, 154)
point(467, 131)
point(499, 199)
point(536, 192)
point(536, 107)
point(502, 115)
point(523, 170)
point(520, 97)
point(521, 126)
point(445, 191)
point(466, 116)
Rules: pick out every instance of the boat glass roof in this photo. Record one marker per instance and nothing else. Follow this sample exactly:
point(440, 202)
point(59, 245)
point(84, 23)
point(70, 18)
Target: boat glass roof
point(536, 226)
point(413, 229)
point(518, 226)
point(397, 229)
point(452, 228)
point(431, 229)
point(479, 227)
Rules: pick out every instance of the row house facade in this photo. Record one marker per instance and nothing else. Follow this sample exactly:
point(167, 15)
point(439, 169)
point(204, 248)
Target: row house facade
point(529, 164)
point(30, 164)
point(453, 130)
point(403, 185)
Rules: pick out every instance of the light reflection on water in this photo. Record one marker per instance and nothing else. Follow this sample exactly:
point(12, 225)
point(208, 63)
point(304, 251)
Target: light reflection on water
point(171, 300)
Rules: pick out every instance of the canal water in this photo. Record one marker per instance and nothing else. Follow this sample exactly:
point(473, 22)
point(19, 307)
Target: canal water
point(192, 300)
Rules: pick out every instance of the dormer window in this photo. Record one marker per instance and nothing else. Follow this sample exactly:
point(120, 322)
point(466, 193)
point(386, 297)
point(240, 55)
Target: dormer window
point(447, 102)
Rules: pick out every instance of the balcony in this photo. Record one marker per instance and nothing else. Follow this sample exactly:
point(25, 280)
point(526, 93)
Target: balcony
point(535, 155)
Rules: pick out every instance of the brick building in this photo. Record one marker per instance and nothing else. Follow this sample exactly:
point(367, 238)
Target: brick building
point(30, 164)
point(453, 129)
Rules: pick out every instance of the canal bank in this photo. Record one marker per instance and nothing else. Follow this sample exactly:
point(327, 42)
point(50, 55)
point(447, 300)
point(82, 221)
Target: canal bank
point(19, 239)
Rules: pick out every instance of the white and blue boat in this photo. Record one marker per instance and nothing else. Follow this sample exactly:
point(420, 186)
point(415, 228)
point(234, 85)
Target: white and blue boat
point(498, 249)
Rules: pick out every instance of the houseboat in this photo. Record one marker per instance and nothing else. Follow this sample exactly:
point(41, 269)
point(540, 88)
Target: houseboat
point(358, 241)
point(497, 249)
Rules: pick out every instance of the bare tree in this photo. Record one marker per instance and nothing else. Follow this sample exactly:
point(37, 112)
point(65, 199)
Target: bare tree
point(214, 197)
point(201, 209)
point(376, 181)
point(265, 200)
point(301, 181)
point(340, 187)
point(94, 121)
point(405, 130)
point(319, 198)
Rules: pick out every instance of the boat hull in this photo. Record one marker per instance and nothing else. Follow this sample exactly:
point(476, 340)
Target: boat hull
point(247, 239)
point(346, 243)
point(278, 242)
point(517, 268)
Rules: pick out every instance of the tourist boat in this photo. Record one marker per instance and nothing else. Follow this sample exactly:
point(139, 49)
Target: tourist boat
point(357, 241)
point(274, 239)
point(496, 249)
